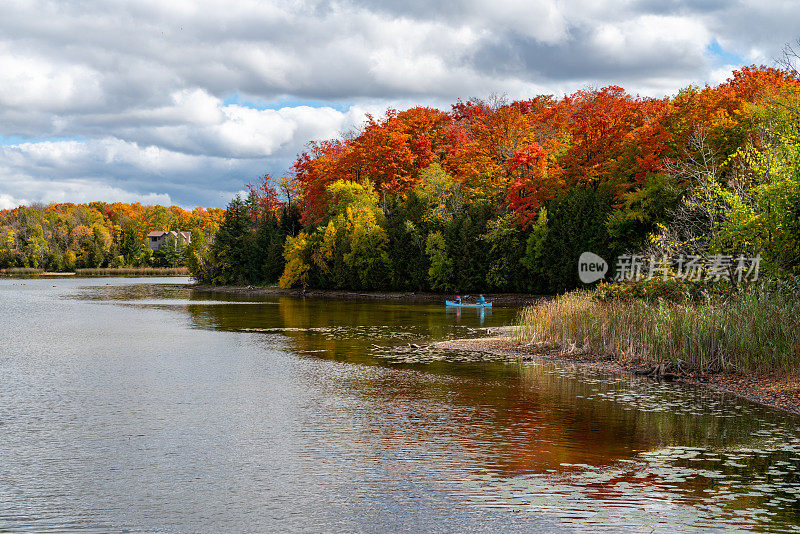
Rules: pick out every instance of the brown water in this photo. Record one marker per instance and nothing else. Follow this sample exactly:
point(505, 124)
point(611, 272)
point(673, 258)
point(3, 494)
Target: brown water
point(135, 405)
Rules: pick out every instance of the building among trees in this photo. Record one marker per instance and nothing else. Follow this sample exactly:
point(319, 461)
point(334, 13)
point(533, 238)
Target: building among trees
point(156, 238)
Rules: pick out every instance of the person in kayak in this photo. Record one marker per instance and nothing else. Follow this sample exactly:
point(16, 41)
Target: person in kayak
point(458, 299)
point(481, 300)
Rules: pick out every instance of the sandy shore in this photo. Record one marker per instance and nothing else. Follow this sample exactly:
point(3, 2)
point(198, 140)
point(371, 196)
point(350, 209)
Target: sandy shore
point(776, 392)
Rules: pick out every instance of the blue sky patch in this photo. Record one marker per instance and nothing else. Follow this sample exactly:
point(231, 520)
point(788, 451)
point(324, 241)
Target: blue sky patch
point(284, 102)
point(18, 140)
point(722, 56)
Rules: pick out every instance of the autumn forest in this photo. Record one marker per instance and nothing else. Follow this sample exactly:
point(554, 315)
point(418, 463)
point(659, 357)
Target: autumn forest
point(493, 195)
point(503, 196)
point(64, 237)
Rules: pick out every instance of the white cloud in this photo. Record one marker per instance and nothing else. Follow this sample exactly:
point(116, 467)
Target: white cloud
point(542, 20)
point(89, 191)
point(71, 190)
point(8, 202)
point(141, 85)
point(67, 156)
point(721, 74)
point(202, 124)
point(112, 169)
point(38, 83)
point(648, 36)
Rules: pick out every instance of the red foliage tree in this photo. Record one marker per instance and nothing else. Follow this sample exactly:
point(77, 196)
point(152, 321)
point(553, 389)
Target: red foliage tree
point(536, 182)
point(265, 195)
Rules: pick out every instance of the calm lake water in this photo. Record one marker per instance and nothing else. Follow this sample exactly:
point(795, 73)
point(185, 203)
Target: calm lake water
point(135, 405)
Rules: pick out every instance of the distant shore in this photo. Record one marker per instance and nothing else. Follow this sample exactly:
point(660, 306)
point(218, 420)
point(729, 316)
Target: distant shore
point(94, 272)
point(500, 299)
point(780, 393)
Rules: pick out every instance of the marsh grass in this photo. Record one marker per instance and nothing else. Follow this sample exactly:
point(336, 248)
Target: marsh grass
point(134, 271)
point(751, 331)
point(21, 271)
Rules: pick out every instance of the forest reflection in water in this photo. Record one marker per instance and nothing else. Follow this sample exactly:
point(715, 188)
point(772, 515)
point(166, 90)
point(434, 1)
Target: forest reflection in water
point(612, 437)
point(579, 446)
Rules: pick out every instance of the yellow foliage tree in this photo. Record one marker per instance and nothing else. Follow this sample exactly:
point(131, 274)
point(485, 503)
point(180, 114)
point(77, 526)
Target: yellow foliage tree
point(297, 268)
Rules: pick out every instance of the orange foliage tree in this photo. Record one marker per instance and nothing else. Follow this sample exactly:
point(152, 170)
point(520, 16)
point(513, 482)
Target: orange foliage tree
point(519, 155)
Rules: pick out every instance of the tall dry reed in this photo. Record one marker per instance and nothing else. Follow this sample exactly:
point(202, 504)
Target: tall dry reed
point(134, 271)
point(20, 271)
point(752, 331)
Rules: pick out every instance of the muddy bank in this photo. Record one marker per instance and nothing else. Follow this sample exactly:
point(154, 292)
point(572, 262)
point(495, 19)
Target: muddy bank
point(501, 299)
point(780, 393)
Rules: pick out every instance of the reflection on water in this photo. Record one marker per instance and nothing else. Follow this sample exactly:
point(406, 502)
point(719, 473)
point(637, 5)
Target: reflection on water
point(481, 313)
point(140, 405)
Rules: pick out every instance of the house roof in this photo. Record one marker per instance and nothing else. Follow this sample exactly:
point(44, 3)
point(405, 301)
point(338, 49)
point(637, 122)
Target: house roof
point(159, 233)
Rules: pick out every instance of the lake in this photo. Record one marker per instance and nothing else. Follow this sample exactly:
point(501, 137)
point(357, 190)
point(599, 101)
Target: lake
point(137, 405)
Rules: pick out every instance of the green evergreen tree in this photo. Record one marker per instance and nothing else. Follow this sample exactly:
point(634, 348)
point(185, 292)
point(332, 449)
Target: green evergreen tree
point(229, 252)
point(534, 254)
point(266, 252)
point(576, 224)
point(440, 273)
point(131, 245)
point(170, 253)
point(407, 229)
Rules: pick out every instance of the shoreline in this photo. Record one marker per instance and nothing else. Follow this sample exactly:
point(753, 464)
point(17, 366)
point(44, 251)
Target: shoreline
point(777, 393)
point(47, 276)
point(499, 299)
point(98, 273)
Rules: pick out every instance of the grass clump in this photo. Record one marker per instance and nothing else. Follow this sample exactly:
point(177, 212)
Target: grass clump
point(134, 271)
point(752, 330)
point(21, 271)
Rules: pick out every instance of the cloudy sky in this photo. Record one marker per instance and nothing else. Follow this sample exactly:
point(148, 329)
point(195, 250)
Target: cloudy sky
point(177, 101)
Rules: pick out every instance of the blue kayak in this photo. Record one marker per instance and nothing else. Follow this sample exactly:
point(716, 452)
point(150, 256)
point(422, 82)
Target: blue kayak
point(451, 304)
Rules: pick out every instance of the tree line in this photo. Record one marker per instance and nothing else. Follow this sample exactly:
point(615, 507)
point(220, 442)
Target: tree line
point(66, 236)
point(493, 195)
point(504, 196)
